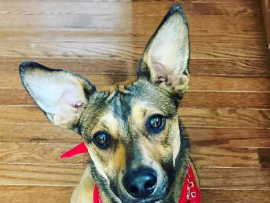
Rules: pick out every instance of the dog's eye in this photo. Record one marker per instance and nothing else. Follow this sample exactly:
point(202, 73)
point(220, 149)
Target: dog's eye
point(156, 123)
point(102, 139)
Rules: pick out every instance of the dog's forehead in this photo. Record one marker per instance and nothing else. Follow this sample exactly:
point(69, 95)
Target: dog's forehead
point(126, 99)
point(133, 101)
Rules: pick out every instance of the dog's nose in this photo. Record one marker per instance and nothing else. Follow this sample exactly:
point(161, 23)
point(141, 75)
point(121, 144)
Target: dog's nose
point(140, 183)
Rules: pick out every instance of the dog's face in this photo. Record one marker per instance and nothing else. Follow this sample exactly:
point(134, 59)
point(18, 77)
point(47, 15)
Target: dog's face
point(131, 129)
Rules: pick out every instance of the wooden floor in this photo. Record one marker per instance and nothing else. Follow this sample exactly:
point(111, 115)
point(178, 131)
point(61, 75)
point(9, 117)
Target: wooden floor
point(226, 111)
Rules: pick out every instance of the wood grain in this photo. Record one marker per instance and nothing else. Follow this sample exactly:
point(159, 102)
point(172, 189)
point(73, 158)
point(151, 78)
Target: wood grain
point(68, 175)
point(191, 117)
point(11, 80)
point(239, 196)
point(39, 35)
point(229, 137)
point(205, 137)
point(45, 175)
point(193, 99)
point(225, 157)
point(197, 99)
point(199, 50)
point(41, 153)
point(21, 133)
point(231, 178)
point(125, 24)
point(25, 153)
point(249, 118)
point(220, 67)
point(61, 194)
point(37, 194)
point(116, 8)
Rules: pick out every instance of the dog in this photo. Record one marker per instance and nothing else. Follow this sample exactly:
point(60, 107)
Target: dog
point(139, 151)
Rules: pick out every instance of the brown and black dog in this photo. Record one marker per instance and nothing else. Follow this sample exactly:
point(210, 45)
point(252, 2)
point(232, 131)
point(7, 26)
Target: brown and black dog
point(138, 147)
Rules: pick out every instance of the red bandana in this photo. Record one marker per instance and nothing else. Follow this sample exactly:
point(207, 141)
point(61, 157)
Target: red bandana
point(190, 191)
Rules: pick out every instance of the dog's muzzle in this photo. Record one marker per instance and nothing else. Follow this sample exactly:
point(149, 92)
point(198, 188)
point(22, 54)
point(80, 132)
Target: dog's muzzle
point(140, 183)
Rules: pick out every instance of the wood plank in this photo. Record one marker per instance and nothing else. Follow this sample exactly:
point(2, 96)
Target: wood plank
point(194, 99)
point(61, 194)
point(37, 153)
point(237, 68)
point(224, 157)
point(37, 134)
point(204, 137)
point(201, 99)
point(11, 80)
point(99, 66)
point(229, 137)
point(68, 175)
point(250, 118)
point(207, 23)
point(116, 8)
point(45, 175)
point(239, 196)
point(229, 84)
point(37, 194)
point(227, 157)
point(234, 178)
point(203, 152)
point(37, 35)
point(128, 50)
point(24, 153)
point(126, 24)
point(16, 133)
point(191, 117)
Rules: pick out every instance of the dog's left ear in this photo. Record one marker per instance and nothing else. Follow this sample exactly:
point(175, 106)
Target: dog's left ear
point(166, 58)
point(60, 94)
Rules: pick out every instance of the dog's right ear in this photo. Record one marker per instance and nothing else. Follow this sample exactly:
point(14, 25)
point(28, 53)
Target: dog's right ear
point(60, 94)
point(165, 61)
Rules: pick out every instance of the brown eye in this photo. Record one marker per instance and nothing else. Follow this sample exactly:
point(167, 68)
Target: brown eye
point(156, 123)
point(102, 140)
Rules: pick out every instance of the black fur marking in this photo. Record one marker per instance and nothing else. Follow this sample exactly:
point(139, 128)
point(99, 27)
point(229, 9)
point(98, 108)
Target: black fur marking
point(121, 106)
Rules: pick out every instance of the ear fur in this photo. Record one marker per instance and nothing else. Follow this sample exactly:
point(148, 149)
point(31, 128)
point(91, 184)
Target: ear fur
point(60, 94)
point(165, 61)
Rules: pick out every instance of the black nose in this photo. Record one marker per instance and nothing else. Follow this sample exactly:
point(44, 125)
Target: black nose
point(140, 183)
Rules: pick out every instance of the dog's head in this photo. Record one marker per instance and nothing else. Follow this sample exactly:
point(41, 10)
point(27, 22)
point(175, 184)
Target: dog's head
point(131, 129)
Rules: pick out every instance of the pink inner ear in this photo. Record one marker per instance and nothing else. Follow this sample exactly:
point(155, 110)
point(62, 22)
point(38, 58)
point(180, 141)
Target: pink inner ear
point(160, 72)
point(163, 74)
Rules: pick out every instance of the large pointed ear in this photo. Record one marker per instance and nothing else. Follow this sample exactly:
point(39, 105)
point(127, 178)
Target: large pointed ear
point(166, 57)
point(62, 95)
